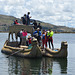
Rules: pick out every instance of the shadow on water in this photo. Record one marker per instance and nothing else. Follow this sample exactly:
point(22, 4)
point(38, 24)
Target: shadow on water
point(42, 66)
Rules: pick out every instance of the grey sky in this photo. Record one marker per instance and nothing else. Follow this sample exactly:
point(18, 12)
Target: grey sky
point(58, 12)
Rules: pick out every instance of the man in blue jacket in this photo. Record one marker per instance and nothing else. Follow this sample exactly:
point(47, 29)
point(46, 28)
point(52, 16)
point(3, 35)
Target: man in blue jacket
point(28, 18)
point(37, 34)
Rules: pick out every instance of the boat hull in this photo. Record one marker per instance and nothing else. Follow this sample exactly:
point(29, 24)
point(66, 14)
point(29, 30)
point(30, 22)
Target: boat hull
point(35, 51)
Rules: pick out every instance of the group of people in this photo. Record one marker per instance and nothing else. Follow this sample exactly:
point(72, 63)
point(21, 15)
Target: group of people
point(44, 36)
point(25, 19)
point(37, 25)
point(23, 40)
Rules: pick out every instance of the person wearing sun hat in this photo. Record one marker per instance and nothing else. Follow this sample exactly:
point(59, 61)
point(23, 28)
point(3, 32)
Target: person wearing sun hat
point(37, 34)
point(39, 26)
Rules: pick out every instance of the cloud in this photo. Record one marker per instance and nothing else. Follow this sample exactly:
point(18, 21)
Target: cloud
point(58, 12)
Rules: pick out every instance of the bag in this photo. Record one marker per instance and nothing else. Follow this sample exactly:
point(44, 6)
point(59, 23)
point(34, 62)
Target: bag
point(18, 34)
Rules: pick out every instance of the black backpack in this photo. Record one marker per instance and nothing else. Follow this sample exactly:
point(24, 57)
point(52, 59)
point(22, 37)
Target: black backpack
point(18, 34)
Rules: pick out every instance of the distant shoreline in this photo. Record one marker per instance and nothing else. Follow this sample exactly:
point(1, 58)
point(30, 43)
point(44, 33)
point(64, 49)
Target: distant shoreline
point(4, 31)
point(64, 32)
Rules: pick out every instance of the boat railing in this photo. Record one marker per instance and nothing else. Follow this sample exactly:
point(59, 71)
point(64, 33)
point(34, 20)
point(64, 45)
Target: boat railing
point(16, 28)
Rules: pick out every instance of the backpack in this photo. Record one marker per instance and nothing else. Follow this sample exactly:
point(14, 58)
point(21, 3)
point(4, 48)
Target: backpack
point(18, 34)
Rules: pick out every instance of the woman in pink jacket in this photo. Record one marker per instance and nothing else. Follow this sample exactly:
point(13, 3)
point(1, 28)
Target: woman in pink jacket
point(24, 34)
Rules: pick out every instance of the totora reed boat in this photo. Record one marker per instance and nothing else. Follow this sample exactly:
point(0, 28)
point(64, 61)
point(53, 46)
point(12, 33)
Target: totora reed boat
point(11, 47)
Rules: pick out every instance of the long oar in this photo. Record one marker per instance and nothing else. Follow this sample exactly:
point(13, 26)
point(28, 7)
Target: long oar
point(15, 52)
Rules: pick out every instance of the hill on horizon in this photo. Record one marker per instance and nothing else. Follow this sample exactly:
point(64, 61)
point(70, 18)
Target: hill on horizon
point(6, 21)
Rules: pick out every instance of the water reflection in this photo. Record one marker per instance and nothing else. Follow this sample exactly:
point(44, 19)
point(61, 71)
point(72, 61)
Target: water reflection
point(46, 66)
point(43, 66)
point(62, 65)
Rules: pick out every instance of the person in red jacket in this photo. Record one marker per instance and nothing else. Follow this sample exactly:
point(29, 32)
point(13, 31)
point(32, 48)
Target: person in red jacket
point(24, 34)
point(16, 22)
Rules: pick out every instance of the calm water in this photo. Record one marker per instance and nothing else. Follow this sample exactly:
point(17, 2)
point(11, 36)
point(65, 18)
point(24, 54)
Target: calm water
point(43, 66)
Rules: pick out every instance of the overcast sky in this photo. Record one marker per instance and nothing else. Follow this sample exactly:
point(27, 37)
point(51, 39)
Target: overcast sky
point(57, 12)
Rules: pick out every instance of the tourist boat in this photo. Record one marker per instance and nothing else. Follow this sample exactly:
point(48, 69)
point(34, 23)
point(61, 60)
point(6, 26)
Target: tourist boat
point(62, 52)
point(11, 47)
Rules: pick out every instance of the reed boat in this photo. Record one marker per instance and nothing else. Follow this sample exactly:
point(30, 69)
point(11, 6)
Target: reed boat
point(58, 52)
point(11, 47)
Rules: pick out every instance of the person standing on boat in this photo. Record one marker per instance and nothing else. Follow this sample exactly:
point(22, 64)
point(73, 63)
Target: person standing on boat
point(35, 24)
point(44, 39)
point(28, 18)
point(24, 19)
point(39, 26)
point(24, 34)
point(50, 39)
point(37, 34)
point(20, 35)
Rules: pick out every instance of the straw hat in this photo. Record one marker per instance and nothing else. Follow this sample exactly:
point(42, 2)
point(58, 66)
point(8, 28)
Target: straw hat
point(29, 36)
point(38, 28)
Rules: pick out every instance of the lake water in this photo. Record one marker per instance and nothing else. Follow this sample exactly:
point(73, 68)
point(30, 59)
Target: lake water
point(43, 66)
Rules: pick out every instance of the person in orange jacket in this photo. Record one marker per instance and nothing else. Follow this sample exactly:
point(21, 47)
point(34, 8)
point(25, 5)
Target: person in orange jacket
point(44, 39)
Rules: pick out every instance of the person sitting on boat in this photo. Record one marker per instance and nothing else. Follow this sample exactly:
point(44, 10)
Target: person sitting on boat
point(37, 34)
point(28, 41)
point(50, 39)
point(24, 34)
point(39, 26)
point(16, 22)
point(35, 24)
point(44, 39)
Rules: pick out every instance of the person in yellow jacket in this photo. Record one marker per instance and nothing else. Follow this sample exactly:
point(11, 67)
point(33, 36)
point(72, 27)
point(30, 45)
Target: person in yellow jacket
point(50, 39)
